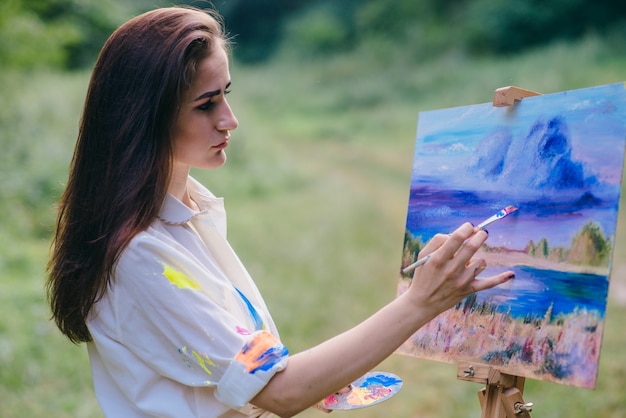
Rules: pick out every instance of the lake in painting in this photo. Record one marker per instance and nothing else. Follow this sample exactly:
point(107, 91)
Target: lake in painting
point(558, 158)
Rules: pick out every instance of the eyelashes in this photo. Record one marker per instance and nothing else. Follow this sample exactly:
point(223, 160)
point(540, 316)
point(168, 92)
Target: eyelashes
point(205, 106)
point(208, 105)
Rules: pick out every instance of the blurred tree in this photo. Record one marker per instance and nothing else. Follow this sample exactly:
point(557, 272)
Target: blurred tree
point(56, 33)
point(69, 33)
point(503, 26)
point(381, 18)
point(321, 29)
point(27, 41)
point(255, 26)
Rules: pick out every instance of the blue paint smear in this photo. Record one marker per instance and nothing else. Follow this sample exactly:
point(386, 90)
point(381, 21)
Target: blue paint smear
point(254, 314)
point(270, 358)
point(381, 380)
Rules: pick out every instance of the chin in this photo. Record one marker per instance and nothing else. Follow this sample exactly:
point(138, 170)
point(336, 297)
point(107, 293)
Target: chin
point(217, 161)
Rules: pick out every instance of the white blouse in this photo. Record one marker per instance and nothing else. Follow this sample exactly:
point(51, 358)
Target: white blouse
point(183, 330)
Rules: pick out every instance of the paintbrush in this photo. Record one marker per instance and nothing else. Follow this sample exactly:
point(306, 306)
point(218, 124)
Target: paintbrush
point(499, 215)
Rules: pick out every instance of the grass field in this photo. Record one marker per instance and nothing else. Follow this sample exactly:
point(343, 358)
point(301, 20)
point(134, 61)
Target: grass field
point(316, 189)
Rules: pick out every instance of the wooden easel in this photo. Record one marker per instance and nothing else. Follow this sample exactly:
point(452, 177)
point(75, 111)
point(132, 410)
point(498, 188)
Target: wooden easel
point(502, 395)
point(507, 96)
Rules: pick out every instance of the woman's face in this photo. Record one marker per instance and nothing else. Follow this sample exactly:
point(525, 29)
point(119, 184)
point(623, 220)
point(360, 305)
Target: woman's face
point(202, 129)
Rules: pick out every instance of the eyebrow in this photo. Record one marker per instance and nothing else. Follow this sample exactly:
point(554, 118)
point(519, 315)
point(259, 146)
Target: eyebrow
point(210, 94)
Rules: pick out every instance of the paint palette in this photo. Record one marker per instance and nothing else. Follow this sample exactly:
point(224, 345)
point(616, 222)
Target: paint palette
point(371, 389)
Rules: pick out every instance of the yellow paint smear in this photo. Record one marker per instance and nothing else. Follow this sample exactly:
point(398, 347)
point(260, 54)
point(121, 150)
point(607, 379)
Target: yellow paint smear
point(204, 362)
point(178, 279)
point(202, 359)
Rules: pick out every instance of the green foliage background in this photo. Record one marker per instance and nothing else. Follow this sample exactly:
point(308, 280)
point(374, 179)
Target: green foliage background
point(68, 33)
point(327, 94)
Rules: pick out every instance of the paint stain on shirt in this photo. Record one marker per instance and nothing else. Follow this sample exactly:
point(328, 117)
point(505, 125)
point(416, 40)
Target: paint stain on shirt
point(201, 359)
point(179, 279)
point(262, 352)
point(259, 324)
point(242, 331)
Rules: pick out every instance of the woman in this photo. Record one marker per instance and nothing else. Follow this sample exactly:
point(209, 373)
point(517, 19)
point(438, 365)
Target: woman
point(141, 269)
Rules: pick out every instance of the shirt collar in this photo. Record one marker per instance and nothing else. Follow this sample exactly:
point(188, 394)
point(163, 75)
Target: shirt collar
point(173, 211)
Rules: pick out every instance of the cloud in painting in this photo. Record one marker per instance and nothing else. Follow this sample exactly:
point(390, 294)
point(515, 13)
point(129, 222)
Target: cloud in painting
point(540, 161)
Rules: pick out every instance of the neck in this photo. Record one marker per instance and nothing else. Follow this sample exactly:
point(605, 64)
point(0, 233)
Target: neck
point(178, 186)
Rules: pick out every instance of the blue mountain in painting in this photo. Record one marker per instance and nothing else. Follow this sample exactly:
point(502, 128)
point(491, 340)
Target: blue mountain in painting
point(541, 160)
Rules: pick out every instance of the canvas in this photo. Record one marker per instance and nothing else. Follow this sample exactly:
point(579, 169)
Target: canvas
point(558, 158)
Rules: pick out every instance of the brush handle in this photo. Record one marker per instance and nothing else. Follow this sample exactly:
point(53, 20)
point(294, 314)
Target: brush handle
point(413, 266)
point(489, 221)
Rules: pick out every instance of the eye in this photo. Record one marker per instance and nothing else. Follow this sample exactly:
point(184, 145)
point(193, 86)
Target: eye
point(208, 105)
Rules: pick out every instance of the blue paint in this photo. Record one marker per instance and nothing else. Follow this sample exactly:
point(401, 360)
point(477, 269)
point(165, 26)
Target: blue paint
point(380, 380)
point(254, 314)
point(271, 358)
point(534, 291)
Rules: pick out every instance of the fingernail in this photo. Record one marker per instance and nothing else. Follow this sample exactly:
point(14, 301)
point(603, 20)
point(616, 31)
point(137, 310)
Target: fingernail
point(486, 231)
point(510, 276)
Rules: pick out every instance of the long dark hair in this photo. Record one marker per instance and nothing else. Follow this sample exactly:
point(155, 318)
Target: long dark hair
point(121, 166)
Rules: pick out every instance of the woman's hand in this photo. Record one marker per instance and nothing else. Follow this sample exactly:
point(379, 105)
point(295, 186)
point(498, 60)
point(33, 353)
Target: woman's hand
point(450, 273)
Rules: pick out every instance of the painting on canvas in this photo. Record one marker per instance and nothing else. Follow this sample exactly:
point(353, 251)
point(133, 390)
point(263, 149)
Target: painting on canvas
point(558, 158)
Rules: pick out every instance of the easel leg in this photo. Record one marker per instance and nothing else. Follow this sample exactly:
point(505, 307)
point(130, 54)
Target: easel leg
point(489, 398)
point(503, 403)
point(514, 405)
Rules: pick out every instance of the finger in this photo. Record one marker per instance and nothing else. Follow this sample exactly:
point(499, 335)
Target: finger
point(433, 244)
point(467, 275)
point(344, 390)
point(469, 248)
point(455, 241)
point(489, 282)
point(475, 267)
point(320, 408)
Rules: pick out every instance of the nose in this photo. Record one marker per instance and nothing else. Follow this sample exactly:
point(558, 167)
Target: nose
point(228, 121)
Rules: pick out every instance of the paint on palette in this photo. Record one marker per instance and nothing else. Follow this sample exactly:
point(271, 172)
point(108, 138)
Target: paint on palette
point(559, 159)
point(371, 389)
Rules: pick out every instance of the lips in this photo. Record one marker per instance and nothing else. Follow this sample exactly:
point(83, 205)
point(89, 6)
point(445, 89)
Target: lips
point(221, 145)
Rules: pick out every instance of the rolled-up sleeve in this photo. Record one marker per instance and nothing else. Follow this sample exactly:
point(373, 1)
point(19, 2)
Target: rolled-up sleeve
point(252, 368)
